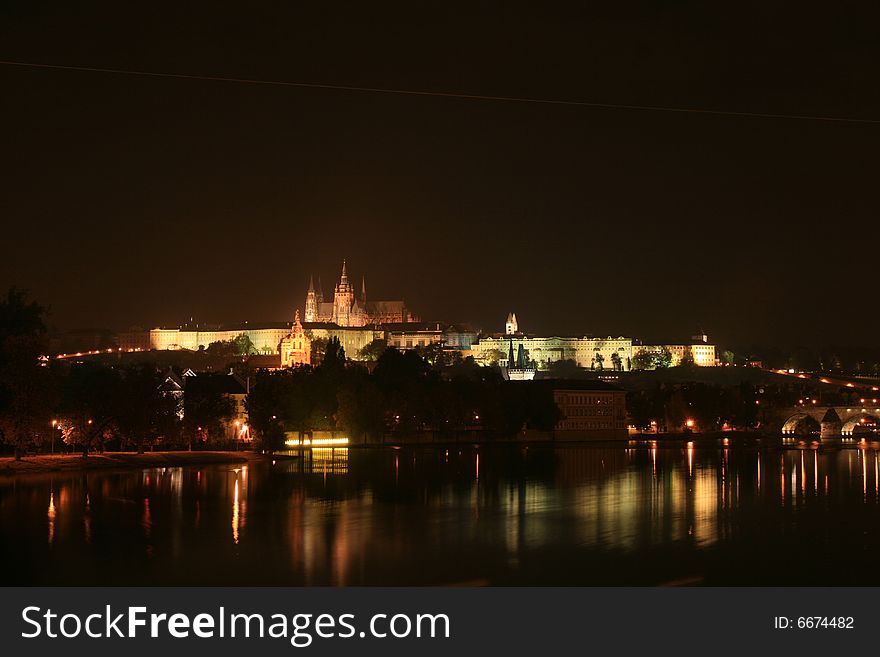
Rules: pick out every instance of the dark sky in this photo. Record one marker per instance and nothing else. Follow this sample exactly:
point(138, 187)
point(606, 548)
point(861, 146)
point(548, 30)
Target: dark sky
point(142, 201)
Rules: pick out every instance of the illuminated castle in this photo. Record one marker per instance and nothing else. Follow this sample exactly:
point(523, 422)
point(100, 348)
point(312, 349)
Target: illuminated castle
point(349, 309)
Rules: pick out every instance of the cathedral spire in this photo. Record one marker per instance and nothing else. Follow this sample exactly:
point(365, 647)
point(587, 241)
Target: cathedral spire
point(364, 289)
point(311, 283)
point(343, 280)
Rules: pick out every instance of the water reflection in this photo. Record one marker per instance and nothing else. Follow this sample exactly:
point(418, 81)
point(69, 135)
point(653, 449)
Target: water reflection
point(641, 514)
point(51, 516)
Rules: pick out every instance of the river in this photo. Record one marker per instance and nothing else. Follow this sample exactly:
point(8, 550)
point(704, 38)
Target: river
point(642, 514)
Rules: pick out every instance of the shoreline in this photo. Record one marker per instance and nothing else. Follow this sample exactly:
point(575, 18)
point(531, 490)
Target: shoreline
point(46, 463)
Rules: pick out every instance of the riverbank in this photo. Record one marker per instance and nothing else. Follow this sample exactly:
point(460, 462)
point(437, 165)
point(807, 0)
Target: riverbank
point(118, 460)
point(710, 436)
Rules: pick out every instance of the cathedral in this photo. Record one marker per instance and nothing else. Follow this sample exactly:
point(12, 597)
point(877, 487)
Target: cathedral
point(350, 309)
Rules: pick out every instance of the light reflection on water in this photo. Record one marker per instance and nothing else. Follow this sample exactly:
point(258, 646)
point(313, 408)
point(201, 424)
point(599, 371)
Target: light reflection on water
point(640, 514)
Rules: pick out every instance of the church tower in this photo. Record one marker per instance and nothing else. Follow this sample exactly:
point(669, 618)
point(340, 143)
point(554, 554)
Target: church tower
point(343, 300)
point(510, 326)
point(311, 314)
point(296, 347)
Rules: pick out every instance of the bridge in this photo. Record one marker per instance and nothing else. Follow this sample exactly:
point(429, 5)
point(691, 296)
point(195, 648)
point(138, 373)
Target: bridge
point(831, 421)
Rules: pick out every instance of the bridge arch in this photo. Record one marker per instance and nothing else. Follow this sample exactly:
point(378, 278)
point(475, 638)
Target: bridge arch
point(801, 424)
point(863, 420)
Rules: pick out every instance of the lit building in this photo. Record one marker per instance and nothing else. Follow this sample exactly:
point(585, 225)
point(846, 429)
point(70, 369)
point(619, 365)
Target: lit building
point(349, 309)
point(588, 352)
point(510, 326)
point(518, 368)
point(296, 347)
point(265, 338)
point(414, 335)
point(589, 408)
point(698, 350)
point(353, 339)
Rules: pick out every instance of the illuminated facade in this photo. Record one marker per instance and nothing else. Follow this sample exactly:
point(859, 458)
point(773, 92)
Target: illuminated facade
point(296, 347)
point(511, 327)
point(265, 339)
point(352, 339)
point(592, 353)
point(414, 335)
point(699, 351)
point(587, 407)
point(518, 368)
point(349, 309)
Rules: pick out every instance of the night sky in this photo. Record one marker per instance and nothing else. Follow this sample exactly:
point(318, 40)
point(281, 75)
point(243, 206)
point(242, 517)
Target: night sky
point(132, 200)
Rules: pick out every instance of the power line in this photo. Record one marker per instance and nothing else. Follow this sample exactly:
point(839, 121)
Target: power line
point(446, 94)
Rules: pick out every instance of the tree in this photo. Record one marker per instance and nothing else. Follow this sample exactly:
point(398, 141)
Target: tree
point(600, 361)
point(242, 345)
point(264, 406)
point(142, 413)
point(616, 362)
point(565, 369)
point(495, 356)
point(643, 360)
point(433, 353)
point(24, 382)
point(334, 355)
point(687, 358)
point(89, 404)
point(206, 410)
point(221, 349)
point(373, 350)
point(652, 359)
point(319, 345)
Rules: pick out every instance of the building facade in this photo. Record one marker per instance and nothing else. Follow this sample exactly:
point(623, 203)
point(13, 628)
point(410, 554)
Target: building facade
point(588, 352)
point(296, 346)
point(511, 327)
point(350, 309)
point(265, 338)
point(518, 368)
point(589, 408)
point(698, 350)
point(353, 339)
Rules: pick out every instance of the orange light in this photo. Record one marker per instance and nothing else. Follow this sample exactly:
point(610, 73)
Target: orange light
point(689, 423)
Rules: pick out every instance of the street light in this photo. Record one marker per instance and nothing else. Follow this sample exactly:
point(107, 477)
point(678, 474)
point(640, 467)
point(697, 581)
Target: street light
point(54, 426)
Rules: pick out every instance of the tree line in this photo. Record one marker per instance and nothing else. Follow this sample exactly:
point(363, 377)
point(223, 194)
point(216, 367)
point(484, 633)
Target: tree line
point(52, 405)
point(404, 393)
point(55, 404)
